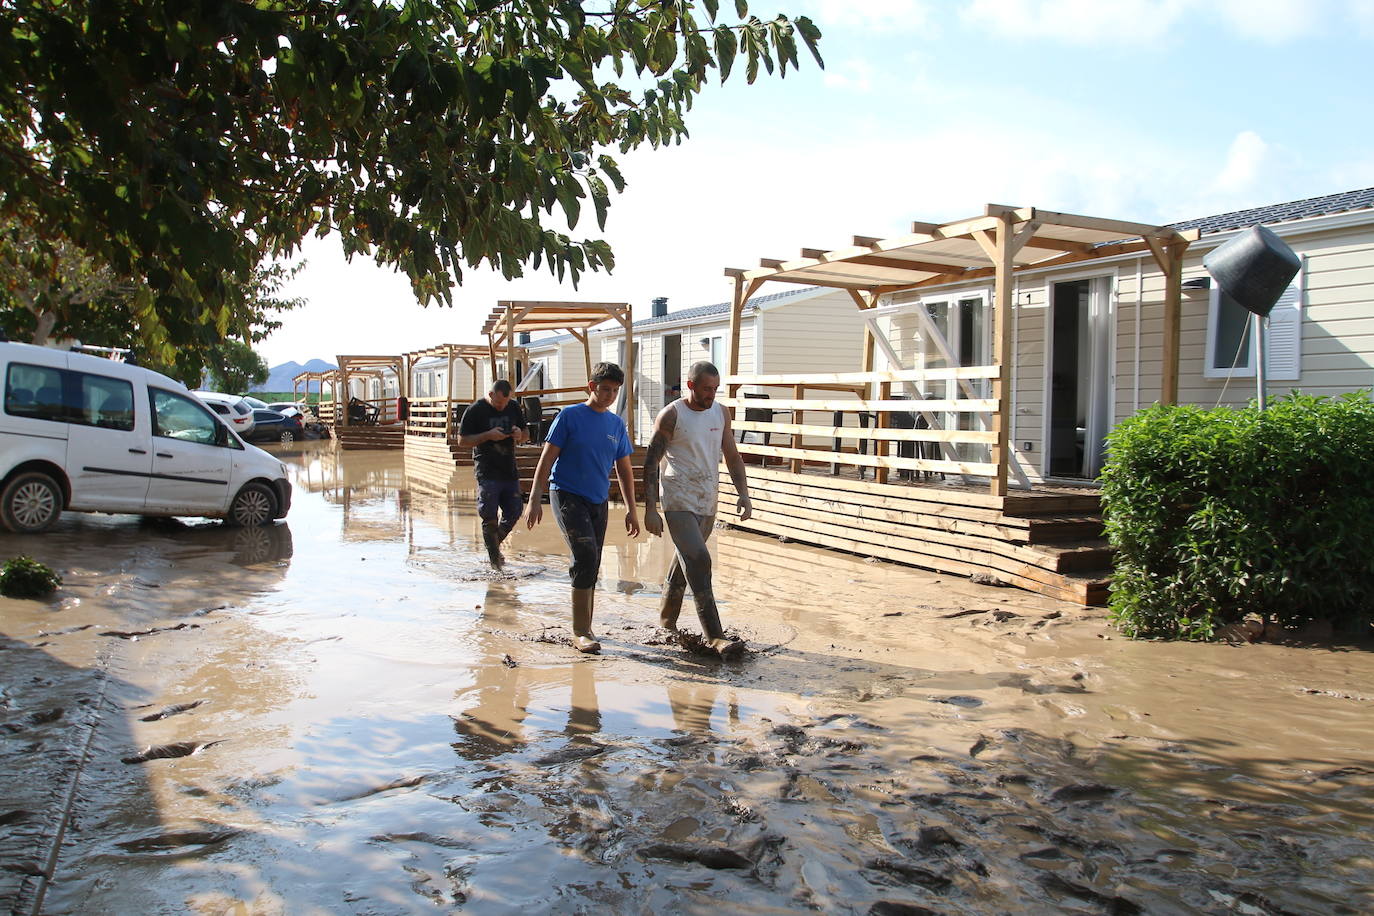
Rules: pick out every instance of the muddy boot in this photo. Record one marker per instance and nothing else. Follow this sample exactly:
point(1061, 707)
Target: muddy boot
point(713, 631)
point(583, 640)
point(671, 605)
point(492, 541)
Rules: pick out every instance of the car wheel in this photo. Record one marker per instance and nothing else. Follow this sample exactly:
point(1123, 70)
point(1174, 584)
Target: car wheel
point(287, 437)
point(31, 502)
point(255, 505)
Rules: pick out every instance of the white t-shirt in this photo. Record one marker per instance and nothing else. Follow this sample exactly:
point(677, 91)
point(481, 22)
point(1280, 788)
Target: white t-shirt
point(692, 478)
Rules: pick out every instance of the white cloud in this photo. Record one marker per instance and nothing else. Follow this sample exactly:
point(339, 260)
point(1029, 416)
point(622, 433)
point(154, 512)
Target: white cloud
point(1244, 161)
point(1272, 21)
point(1362, 13)
point(1144, 21)
point(874, 15)
point(1078, 21)
point(851, 74)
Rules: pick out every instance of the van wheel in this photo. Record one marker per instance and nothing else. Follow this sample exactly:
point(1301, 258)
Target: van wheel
point(255, 505)
point(287, 437)
point(31, 502)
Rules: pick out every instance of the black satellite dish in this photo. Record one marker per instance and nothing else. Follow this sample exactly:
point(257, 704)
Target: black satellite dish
point(1254, 269)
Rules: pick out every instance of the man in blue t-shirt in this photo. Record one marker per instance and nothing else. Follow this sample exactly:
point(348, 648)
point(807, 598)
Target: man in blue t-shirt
point(584, 443)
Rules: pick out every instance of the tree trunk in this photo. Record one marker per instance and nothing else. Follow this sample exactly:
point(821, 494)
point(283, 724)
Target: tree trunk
point(46, 321)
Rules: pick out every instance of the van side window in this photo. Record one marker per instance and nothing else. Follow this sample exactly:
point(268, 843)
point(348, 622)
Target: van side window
point(178, 417)
point(106, 402)
point(35, 391)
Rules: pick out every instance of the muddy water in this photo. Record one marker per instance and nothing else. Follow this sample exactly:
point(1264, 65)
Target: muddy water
point(348, 714)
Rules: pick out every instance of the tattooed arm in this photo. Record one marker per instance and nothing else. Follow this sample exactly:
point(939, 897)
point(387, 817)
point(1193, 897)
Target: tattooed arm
point(658, 447)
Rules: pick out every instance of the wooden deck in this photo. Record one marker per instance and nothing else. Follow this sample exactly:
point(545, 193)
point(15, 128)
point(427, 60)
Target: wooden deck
point(1047, 540)
point(370, 437)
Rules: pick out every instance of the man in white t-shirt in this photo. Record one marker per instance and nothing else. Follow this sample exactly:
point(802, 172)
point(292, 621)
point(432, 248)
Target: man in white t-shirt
point(692, 434)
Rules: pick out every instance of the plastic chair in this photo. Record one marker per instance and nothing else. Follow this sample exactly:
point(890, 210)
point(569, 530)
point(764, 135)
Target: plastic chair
point(538, 418)
point(761, 415)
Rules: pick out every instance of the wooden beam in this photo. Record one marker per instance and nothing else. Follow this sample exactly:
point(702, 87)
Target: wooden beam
point(1040, 241)
point(872, 260)
point(1097, 224)
point(510, 344)
point(1173, 298)
point(626, 319)
point(1001, 386)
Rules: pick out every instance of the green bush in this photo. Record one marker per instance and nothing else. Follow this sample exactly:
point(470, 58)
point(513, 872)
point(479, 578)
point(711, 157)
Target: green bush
point(25, 577)
point(1218, 514)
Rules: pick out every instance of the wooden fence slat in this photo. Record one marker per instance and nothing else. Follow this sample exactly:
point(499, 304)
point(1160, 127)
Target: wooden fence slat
point(982, 437)
point(860, 378)
point(976, 469)
point(960, 405)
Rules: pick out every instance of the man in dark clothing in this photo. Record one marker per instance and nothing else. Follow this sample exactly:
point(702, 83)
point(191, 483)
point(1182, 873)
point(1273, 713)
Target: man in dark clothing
point(492, 427)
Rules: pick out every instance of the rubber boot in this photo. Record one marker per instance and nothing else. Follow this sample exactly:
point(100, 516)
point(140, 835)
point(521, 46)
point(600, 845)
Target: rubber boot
point(671, 606)
point(714, 632)
point(583, 640)
point(505, 529)
point(492, 541)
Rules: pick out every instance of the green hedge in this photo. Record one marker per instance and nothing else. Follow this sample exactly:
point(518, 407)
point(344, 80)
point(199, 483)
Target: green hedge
point(1217, 514)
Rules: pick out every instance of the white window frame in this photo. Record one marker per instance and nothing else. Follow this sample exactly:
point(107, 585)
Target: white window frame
point(1283, 336)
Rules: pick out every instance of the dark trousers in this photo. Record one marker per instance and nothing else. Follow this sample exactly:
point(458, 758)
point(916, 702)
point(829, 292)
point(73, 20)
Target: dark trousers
point(503, 497)
point(583, 524)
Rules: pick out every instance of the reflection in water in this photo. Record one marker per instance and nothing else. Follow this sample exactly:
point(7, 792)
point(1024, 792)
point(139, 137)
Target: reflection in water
point(694, 703)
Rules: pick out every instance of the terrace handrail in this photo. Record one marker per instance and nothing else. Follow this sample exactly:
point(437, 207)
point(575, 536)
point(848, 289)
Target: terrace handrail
point(819, 379)
point(872, 395)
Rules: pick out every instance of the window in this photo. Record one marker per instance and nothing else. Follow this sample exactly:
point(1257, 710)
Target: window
point(61, 395)
point(1231, 348)
point(106, 402)
point(177, 417)
point(35, 391)
point(717, 351)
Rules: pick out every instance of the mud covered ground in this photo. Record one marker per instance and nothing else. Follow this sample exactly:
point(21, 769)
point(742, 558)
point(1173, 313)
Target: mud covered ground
point(348, 714)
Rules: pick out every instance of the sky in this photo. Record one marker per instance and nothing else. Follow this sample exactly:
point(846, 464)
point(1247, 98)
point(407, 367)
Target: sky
point(1145, 110)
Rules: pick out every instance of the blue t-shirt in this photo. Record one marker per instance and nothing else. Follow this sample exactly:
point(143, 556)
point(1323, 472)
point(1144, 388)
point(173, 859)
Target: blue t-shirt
point(589, 445)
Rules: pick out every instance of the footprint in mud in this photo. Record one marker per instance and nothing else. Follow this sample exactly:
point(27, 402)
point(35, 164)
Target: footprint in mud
point(408, 782)
point(168, 711)
point(135, 634)
point(716, 857)
point(175, 841)
point(168, 751)
point(569, 753)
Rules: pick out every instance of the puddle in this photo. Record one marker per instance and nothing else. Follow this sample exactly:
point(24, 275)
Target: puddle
point(351, 713)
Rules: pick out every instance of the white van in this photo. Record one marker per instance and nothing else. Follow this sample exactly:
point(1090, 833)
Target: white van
point(87, 434)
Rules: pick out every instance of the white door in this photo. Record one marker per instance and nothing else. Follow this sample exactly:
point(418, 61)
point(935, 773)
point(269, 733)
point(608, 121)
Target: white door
point(191, 463)
point(108, 453)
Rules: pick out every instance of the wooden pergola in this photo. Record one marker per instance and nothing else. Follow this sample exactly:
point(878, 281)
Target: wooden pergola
point(1001, 242)
point(372, 367)
point(510, 319)
point(425, 418)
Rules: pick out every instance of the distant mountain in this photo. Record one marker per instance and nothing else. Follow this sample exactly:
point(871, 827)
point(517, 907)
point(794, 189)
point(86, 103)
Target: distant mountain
point(279, 378)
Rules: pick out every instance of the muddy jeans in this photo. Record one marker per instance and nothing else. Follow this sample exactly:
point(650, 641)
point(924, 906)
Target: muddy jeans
point(501, 496)
point(692, 559)
point(583, 524)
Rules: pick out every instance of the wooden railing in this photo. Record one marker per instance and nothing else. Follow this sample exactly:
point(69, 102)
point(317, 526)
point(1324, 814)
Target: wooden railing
point(325, 411)
point(869, 393)
point(556, 397)
point(428, 416)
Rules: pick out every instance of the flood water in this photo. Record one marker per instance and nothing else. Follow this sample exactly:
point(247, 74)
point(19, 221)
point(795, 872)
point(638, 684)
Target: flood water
point(347, 713)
